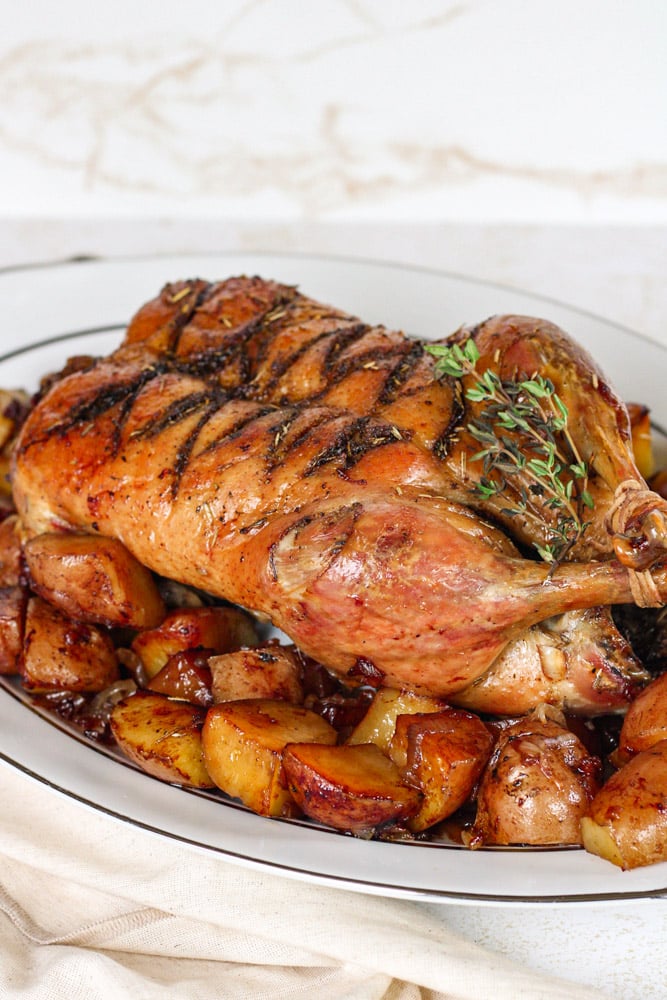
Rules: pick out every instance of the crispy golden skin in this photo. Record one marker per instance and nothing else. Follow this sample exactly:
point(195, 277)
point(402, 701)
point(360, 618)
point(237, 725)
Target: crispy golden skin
point(289, 458)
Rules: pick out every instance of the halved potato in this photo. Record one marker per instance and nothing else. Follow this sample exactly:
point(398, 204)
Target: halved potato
point(645, 722)
point(218, 629)
point(355, 788)
point(379, 722)
point(627, 820)
point(243, 749)
point(163, 737)
point(445, 754)
point(93, 579)
point(61, 653)
point(267, 671)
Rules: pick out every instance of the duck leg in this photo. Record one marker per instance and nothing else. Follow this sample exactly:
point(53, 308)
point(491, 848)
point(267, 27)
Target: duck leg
point(628, 519)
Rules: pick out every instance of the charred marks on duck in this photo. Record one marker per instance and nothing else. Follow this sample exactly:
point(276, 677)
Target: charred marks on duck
point(355, 440)
point(188, 300)
point(177, 411)
point(411, 354)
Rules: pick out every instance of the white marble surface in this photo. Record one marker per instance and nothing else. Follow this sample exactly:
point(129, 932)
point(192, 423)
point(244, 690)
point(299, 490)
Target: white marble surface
point(437, 110)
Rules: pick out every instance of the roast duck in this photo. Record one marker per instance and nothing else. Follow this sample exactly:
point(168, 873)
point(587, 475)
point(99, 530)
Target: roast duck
point(287, 457)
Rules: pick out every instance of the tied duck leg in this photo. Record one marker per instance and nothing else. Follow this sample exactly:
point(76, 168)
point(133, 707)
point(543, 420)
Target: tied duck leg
point(284, 456)
point(625, 510)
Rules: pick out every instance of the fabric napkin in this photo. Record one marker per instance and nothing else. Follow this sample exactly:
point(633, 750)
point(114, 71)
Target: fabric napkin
point(91, 907)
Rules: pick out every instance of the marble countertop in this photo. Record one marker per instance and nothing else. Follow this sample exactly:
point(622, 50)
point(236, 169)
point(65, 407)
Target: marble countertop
point(344, 110)
point(521, 143)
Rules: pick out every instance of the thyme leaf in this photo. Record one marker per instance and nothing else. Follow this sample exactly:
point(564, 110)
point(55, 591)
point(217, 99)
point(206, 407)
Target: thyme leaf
point(523, 429)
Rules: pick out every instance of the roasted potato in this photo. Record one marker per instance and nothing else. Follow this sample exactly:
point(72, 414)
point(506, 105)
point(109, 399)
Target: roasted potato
point(61, 653)
point(267, 671)
point(93, 579)
point(645, 722)
point(187, 677)
point(218, 629)
point(379, 722)
point(627, 820)
point(355, 788)
point(163, 737)
point(537, 785)
point(10, 552)
point(443, 754)
point(243, 749)
point(13, 601)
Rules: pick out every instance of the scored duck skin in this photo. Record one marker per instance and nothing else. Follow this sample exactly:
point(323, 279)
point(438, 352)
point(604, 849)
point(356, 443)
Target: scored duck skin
point(285, 456)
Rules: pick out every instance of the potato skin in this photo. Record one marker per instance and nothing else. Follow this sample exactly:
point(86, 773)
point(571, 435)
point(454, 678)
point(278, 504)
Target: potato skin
point(163, 737)
point(349, 787)
point(61, 653)
point(267, 671)
point(627, 820)
point(10, 552)
point(13, 602)
point(645, 722)
point(536, 787)
point(444, 754)
point(93, 579)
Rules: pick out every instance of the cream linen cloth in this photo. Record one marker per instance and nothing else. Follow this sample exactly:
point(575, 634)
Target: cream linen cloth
point(94, 908)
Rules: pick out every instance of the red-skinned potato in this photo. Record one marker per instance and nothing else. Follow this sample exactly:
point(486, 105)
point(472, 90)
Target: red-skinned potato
point(355, 788)
point(61, 653)
point(216, 628)
point(267, 671)
point(645, 722)
point(537, 785)
point(627, 820)
point(443, 754)
point(93, 579)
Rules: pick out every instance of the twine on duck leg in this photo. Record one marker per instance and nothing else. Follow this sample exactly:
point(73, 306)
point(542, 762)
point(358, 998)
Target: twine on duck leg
point(637, 520)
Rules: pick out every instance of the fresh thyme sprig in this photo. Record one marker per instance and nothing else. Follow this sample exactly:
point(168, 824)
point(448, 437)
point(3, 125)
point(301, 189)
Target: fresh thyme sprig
point(523, 429)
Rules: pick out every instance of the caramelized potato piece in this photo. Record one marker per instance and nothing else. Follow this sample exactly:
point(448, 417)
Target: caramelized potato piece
point(627, 820)
point(93, 579)
point(537, 785)
point(646, 720)
point(355, 788)
point(642, 446)
point(186, 676)
point(243, 749)
point(267, 671)
point(61, 653)
point(216, 628)
point(445, 754)
point(13, 602)
point(379, 722)
point(163, 737)
point(10, 552)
